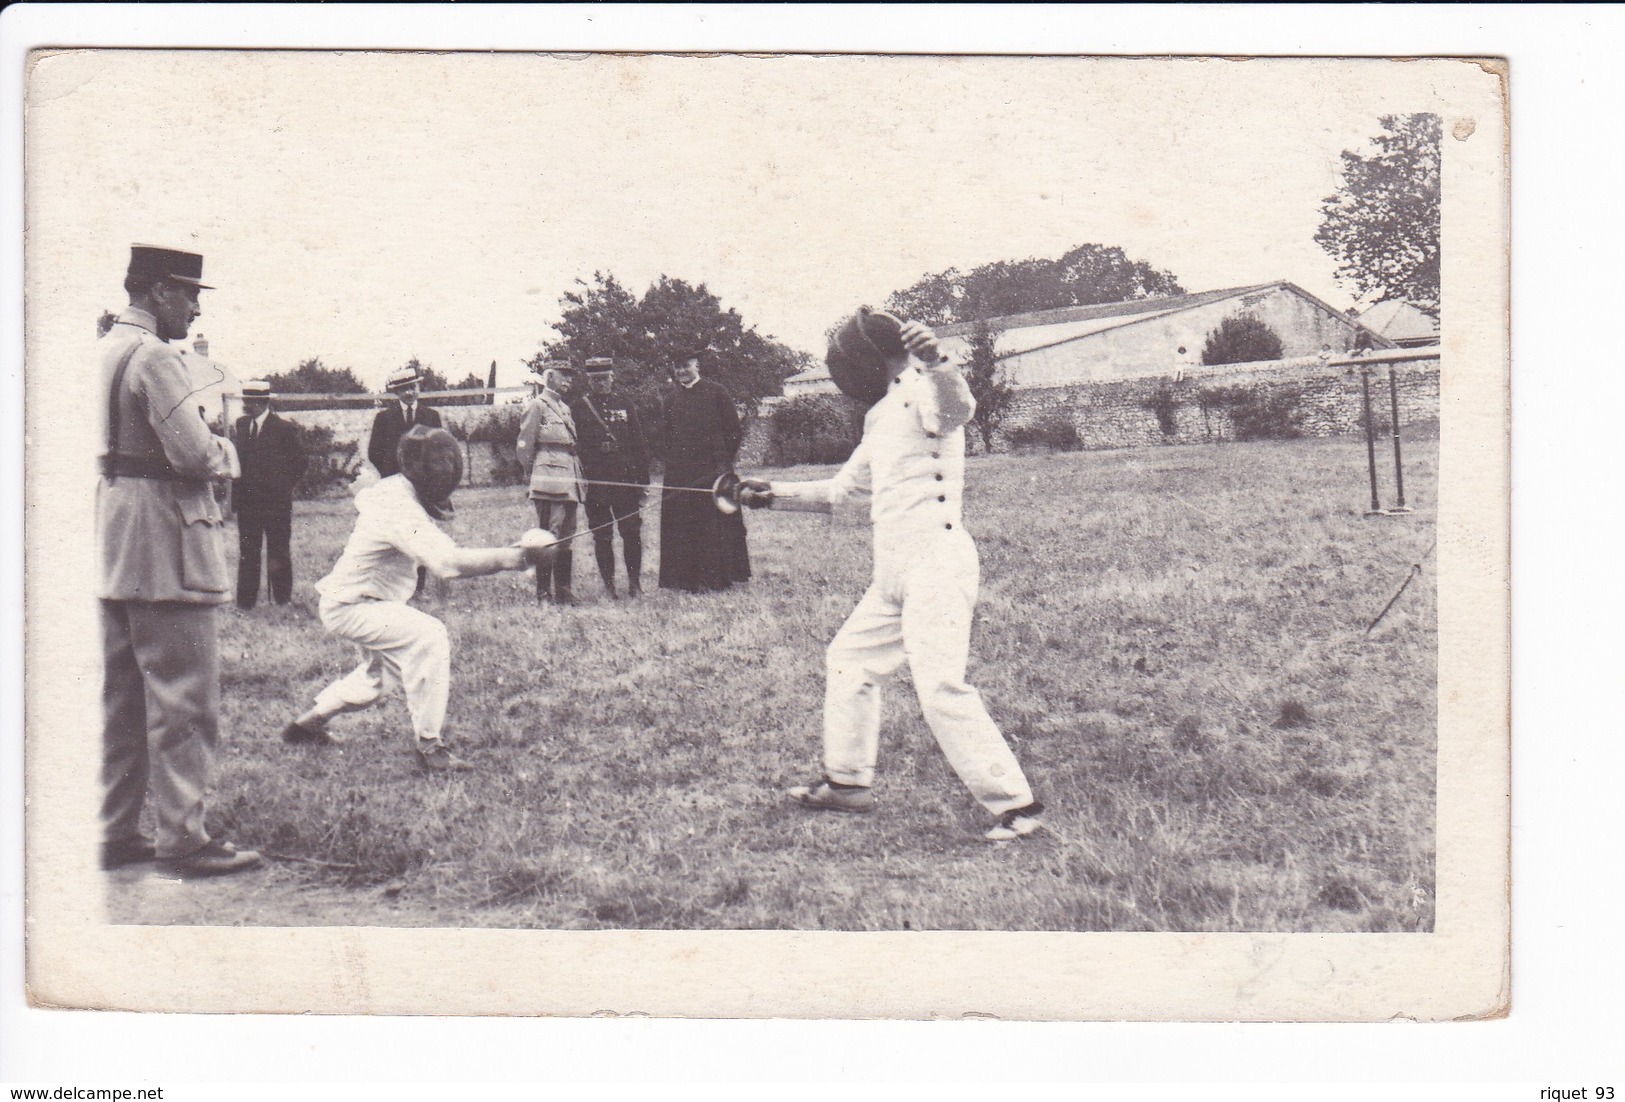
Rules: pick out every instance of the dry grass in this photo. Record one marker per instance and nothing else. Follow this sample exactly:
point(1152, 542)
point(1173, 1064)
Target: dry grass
point(1171, 639)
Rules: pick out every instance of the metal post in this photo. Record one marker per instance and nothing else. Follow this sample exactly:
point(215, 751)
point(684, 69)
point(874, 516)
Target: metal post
point(1399, 472)
point(1370, 444)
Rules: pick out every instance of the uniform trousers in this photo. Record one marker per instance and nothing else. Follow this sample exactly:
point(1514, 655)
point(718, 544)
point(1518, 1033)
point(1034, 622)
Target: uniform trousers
point(917, 609)
point(161, 720)
point(270, 521)
point(559, 517)
point(611, 509)
point(396, 641)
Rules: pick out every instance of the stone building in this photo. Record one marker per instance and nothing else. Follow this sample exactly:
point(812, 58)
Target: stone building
point(1402, 323)
point(1142, 337)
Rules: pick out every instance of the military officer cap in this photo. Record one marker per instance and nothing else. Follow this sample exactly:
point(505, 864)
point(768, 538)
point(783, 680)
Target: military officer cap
point(150, 262)
point(599, 364)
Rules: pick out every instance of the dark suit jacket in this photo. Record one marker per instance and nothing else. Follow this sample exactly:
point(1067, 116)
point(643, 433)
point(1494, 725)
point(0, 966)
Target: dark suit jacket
point(388, 428)
point(272, 462)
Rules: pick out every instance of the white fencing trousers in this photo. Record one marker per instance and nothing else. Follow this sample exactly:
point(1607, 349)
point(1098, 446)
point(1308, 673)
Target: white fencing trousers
point(398, 641)
point(918, 608)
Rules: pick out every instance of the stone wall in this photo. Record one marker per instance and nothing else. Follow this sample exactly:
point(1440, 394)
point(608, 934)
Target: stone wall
point(1124, 413)
point(1329, 401)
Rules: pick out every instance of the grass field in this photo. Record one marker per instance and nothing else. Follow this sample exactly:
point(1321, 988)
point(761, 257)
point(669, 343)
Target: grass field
point(1172, 640)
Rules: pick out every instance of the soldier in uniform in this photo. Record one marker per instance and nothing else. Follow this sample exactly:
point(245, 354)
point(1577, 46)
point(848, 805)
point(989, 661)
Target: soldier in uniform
point(547, 448)
point(162, 571)
point(613, 450)
point(273, 459)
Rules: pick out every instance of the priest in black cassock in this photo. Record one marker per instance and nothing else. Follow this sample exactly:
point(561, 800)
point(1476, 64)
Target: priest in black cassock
point(701, 548)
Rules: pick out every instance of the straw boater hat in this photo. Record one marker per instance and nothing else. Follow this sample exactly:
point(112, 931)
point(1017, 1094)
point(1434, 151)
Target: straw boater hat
point(256, 388)
point(150, 262)
point(401, 378)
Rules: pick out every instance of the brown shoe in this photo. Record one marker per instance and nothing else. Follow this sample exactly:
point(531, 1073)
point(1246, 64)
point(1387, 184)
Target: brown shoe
point(217, 857)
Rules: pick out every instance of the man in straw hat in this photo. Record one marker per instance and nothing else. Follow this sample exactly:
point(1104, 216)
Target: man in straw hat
point(615, 460)
point(394, 421)
point(162, 571)
point(273, 459)
point(364, 599)
point(910, 465)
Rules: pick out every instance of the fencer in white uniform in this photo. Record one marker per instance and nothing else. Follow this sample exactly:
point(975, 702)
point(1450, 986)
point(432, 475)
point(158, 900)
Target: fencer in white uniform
point(918, 608)
point(364, 599)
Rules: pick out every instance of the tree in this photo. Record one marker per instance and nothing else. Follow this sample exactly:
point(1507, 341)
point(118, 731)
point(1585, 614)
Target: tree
point(672, 319)
point(1082, 276)
point(1242, 339)
point(1382, 226)
point(987, 384)
point(314, 377)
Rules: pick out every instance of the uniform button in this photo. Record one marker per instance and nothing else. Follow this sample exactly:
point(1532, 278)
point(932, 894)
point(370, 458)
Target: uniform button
point(939, 478)
point(936, 455)
point(950, 527)
point(907, 404)
point(942, 497)
point(930, 436)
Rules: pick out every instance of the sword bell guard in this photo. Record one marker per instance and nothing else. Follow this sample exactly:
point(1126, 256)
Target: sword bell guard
point(725, 492)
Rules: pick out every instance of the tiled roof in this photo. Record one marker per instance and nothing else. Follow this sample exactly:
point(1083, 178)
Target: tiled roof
point(1132, 308)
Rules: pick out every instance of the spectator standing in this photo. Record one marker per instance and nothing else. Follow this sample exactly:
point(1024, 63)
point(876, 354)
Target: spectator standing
point(701, 548)
point(162, 571)
point(272, 460)
point(547, 448)
point(613, 450)
point(395, 421)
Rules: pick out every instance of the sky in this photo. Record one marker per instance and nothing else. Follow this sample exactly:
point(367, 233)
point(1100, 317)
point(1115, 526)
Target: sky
point(367, 208)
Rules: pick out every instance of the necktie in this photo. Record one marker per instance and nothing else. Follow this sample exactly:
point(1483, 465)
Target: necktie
point(253, 431)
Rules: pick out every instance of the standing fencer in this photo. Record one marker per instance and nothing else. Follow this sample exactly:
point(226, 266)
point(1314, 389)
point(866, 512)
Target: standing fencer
point(364, 599)
point(918, 607)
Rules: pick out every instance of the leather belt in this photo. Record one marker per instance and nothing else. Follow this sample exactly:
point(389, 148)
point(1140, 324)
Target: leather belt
point(136, 466)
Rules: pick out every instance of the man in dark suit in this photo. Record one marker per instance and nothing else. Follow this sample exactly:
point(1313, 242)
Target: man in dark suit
point(394, 421)
point(272, 460)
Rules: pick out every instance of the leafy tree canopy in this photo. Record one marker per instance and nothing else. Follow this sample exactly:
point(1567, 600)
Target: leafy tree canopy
point(1241, 340)
point(314, 377)
point(648, 335)
point(1083, 276)
point(1382, 226)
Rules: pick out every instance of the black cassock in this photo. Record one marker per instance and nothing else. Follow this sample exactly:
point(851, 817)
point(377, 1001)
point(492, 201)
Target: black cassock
point(700, 547)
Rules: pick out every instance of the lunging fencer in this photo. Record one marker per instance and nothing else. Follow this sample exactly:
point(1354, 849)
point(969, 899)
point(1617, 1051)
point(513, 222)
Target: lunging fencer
point(364, 599)
point(918, 608)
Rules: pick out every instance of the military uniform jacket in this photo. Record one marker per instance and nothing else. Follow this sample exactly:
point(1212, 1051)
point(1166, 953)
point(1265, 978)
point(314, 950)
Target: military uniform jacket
point(158, 539)
point(547, 445)
point(272, 460)
point(388, 428)
point(612, 444)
